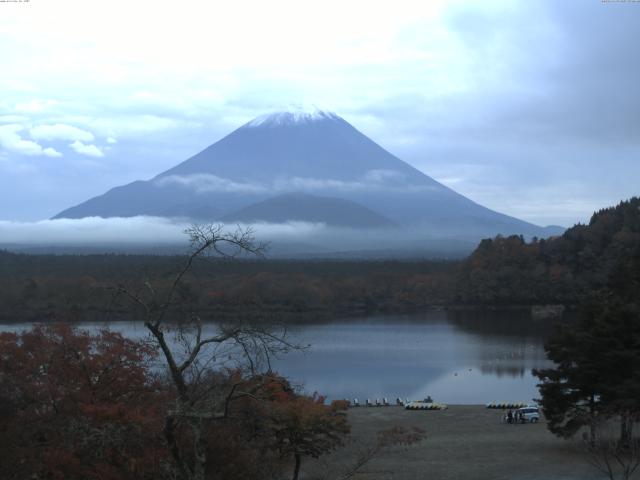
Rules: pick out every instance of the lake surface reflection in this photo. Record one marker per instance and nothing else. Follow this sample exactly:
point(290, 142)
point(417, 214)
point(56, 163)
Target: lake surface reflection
point(457, 358)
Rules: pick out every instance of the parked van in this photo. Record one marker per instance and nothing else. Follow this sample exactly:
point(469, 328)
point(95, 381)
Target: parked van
point(527, 414)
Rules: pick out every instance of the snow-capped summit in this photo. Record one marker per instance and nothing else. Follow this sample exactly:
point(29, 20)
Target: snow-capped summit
point(294, 115)
point(344, 177)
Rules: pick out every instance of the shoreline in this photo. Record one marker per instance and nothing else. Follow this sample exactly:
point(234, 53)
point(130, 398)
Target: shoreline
point(536, 312)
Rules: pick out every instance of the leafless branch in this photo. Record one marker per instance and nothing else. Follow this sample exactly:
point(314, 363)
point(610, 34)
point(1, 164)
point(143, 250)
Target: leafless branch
point(610, 457)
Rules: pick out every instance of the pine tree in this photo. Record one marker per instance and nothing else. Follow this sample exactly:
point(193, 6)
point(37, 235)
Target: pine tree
point(597, 372)
point(571, 390)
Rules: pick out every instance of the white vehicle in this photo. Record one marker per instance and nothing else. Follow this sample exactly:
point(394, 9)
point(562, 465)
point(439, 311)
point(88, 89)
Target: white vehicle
point(527, 415)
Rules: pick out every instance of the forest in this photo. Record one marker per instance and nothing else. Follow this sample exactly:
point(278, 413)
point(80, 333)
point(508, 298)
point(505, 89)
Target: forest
point(503, 271)
point(75, 288)
point(558, 270)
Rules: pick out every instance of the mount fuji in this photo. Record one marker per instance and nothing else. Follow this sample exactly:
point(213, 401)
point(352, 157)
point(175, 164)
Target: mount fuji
point(308, 167)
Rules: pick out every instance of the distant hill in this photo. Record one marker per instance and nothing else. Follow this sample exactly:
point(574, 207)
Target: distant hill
point(317, 153)
point(309, 208)
point(561, 269)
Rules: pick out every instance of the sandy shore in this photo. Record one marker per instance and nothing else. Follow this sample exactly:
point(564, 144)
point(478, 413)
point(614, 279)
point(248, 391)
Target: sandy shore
point(463, 442)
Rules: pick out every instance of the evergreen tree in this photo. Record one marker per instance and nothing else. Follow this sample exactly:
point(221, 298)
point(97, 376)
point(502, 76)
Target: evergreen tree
point(597, 372)
point(571, 391)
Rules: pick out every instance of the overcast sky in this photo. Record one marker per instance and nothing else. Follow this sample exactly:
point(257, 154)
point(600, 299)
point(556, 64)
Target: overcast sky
point(529, 108)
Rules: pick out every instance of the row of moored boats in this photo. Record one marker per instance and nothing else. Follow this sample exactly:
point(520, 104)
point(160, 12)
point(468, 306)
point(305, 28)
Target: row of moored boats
point(426, 404)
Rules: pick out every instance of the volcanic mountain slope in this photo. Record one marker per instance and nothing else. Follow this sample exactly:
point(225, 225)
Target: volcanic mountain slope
point(309, 208)
point(316, 153)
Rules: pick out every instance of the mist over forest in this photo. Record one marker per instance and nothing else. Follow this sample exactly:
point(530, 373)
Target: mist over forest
point(290, 239)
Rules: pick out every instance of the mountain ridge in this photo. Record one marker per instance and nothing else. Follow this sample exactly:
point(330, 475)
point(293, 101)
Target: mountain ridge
point(298, 206)
point(317, 153)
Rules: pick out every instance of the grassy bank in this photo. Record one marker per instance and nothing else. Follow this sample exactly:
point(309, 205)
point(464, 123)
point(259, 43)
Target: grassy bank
point(463, 442)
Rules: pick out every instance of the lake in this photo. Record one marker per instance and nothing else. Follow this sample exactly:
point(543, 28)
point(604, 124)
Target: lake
point(455, 357)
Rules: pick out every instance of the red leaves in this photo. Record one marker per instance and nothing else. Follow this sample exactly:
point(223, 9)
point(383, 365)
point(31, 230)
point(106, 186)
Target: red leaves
point(76, 404)
point(305, 426)
point(79, 405)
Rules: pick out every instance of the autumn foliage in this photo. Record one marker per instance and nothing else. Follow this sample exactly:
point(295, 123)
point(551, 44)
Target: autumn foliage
point(303, 426)
point(77, 405)
point(81, 405)
point(560, 270)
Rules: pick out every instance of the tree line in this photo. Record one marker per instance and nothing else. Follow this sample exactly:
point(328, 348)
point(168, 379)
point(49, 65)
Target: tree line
point(595, 381)
point(561, 270)
point(501, 271)
point(183, 403)
point(75, 288)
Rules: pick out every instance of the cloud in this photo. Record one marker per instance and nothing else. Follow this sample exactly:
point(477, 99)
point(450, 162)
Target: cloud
point(141, 229)
point(111, 140)
point(371, 180)
point(10, 140)
point(90, 150)
point(203, 183)
point(136, 122)
point(60, 131)
point(51, 152)
point(13, 119)
point(91, 230)
point(384, 175)
point(285, 239)
point(35, 106)
point(285, 184)
point(387, 180)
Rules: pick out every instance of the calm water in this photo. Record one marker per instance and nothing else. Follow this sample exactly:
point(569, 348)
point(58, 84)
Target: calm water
point(454, 358)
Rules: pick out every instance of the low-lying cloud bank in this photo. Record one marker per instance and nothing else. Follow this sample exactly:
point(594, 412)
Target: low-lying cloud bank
point(286, 239)
point(140, 229)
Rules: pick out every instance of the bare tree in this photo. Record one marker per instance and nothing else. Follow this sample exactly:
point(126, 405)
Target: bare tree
point(608, 454)
point(386, 441)
point(191, 350)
